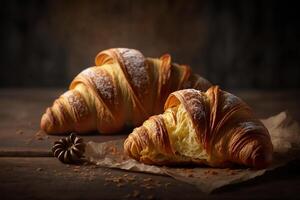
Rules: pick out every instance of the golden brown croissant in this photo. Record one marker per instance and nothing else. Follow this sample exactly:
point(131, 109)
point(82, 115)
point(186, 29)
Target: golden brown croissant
point(214, 128)
point(124, 88)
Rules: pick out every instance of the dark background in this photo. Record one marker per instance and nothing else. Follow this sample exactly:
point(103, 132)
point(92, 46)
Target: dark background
point(237, 44)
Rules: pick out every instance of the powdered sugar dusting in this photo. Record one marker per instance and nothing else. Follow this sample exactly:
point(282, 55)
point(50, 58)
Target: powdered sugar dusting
point(197, 109)
point(77, 103)
point(195, 104)
point(230, 100)
point(102, 81)
point(251, 125)
point(135, 65)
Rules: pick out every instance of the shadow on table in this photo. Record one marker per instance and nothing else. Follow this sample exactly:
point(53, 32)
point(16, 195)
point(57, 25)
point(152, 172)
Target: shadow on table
point(285, 175)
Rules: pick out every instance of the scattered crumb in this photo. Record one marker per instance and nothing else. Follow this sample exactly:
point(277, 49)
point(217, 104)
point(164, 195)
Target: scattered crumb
point(147, 179)
point(19, 131)
point(130, 178)
point(135, 193)
point(233, 173)
point(107, 173)
point(157, 183)
point(75, 170)
point(39, 169)
point(211, 172)
point(167, 184)
point(39, 135)
point(84, 174)
point(125, 179)
point(189, 170)
point(214, 173)
point(120, 184)
point(148, 187)
point(123, 157)
point(150, 197)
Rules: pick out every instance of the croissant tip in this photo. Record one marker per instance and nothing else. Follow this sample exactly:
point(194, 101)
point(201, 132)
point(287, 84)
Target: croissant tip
point(131, 149)
point(47, 123)
point(262, 160)
point(126, 147)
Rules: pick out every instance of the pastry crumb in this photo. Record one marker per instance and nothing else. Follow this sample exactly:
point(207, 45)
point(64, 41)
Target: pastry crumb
point(136, 193)
point(150, 197)
point(39, 169)
point(19, 131)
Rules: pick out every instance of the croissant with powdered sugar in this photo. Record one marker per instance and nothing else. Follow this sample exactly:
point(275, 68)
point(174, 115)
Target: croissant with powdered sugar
point(213, 128)
point(123, 89)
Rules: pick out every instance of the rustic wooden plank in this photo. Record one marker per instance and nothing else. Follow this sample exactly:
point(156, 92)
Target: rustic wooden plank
point(21, 110)
point(47, 178)
point(26, 153)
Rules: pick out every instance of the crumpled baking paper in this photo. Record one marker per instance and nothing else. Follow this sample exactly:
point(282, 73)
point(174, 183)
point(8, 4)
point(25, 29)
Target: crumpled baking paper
point(285, 136)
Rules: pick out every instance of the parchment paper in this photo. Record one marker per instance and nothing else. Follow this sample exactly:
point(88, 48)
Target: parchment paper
point(285, 136)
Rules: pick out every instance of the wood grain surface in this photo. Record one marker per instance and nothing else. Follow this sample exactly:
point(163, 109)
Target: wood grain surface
point(27, 170)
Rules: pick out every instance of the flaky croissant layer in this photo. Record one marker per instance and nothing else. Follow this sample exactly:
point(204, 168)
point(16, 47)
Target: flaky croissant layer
point(123, 89)
point(214, 128)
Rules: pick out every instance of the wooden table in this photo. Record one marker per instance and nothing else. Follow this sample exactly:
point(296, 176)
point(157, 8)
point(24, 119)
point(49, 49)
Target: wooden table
point(27, 171)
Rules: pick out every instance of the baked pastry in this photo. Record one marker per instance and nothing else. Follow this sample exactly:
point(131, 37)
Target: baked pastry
point(123, 89)
point(212, 128)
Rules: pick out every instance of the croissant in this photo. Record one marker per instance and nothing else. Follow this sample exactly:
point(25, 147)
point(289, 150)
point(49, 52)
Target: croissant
point(123, 89)
point(213, 128)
